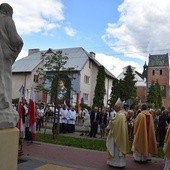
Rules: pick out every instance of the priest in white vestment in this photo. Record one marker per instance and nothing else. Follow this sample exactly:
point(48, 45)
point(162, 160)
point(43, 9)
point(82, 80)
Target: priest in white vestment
point(117, 142)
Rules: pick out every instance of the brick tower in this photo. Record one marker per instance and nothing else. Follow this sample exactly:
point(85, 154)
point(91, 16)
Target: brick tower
point(158, 69)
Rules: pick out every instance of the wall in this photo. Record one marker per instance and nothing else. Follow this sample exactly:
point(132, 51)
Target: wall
point(27, 80)
point(141, 93)
point(162, 79)
point(108, 86)
point(19, 79)
point(87, 87)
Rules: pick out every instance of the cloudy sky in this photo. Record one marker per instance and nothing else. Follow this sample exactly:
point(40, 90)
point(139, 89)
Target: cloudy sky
point(120, 32)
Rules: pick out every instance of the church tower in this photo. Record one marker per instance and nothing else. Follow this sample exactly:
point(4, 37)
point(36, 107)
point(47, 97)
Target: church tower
point(145, 69)
point(158, 69)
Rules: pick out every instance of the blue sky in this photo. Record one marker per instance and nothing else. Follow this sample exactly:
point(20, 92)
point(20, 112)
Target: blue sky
point(119, 32)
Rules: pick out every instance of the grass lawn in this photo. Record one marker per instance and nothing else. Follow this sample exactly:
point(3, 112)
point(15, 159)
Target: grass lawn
point(86, 143)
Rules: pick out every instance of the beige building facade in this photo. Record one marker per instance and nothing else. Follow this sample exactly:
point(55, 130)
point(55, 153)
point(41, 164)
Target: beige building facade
point(24, 72)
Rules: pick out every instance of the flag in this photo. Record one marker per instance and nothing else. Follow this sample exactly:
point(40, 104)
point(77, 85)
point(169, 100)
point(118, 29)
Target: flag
point(19, 109)
point(31, 113)
point(45, 97)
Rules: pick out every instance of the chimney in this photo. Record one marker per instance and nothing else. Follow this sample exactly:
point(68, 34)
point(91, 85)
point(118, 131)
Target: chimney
point(92, 54)
point(32, 51)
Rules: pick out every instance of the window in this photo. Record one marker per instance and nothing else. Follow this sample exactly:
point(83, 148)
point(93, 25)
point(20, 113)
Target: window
point(153, 72)
point(36, 78)
point(85, 96)
point(87, 79)
point(160, 72)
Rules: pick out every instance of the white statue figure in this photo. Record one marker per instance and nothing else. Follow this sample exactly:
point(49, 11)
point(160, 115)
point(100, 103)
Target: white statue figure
point(10, 46)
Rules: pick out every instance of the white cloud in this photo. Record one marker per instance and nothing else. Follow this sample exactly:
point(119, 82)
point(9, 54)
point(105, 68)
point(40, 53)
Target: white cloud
point(114, 64)
point(22, 54)
point(36, 16)
point(143, 28)
point(70, 31)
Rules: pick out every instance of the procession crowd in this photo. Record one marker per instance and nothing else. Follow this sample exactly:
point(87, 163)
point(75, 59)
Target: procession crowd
point(142, 125)
point(145, 127)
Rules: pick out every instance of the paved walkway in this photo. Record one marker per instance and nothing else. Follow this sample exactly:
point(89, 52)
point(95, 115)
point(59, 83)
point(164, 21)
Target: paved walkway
point(43, 156)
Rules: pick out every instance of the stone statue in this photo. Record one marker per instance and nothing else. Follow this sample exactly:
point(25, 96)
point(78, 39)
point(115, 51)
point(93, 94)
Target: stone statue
point(10, 46)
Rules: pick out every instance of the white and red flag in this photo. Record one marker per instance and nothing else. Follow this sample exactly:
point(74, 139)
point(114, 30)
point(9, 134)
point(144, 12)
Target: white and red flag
point(19, 109)
point(31, 113)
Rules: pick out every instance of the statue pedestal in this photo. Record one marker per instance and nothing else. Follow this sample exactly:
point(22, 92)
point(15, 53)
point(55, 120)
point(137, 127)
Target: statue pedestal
point(9, 139)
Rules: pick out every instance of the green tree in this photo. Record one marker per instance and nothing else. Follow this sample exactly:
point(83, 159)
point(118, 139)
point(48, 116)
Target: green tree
point(158, 102)
point(124, 88)
point(52, 71)
point(154, 97)
point(129, 87)
point(115, 92)
point(151, 95)
point(100, 88)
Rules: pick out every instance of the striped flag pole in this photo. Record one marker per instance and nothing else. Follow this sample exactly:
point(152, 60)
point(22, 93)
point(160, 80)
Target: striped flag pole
point(19, 109)
point(31, 113)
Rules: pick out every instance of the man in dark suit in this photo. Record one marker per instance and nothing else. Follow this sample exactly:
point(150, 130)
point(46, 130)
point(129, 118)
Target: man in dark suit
point(94, 120)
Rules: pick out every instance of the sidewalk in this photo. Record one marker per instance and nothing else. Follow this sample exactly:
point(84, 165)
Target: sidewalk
point(43, 156)
point(39, 154)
